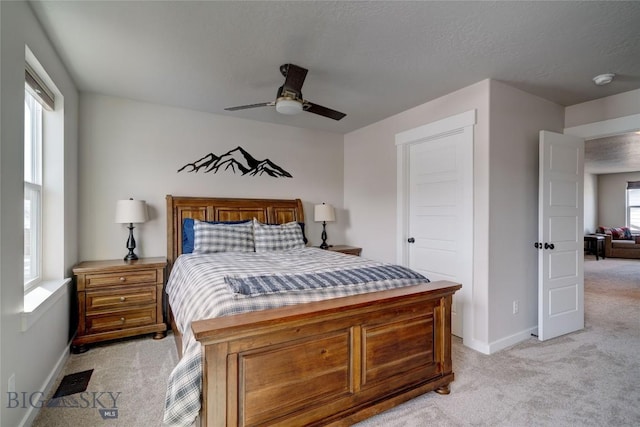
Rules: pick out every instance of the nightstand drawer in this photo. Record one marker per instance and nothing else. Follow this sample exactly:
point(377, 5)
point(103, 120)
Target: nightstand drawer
point(120, 278)
point(122, 297)
point(121, 320)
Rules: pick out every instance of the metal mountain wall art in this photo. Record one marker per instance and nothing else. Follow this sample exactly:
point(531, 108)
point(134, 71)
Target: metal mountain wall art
point(237, 160)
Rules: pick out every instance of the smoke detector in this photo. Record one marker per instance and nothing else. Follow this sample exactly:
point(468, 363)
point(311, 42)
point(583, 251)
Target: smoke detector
point(603, 79)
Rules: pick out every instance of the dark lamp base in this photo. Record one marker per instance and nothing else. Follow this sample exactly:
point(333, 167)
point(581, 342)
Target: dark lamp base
point(131, 257)
point(324, 244)
point(131, 245)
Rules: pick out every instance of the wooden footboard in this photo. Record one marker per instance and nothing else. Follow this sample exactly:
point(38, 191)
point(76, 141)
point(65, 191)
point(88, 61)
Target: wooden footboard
point(332, 362)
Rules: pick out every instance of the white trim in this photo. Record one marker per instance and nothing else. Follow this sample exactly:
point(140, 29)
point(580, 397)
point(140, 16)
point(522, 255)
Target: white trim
point(437, 129)
point(503, 343)
point(430, 131)
point(476, 345)
point(32, 411)
point(402, 208)
point(606, 127)
point(511, 340)
point(40, 299)
point(629, 207)
point(460, 123)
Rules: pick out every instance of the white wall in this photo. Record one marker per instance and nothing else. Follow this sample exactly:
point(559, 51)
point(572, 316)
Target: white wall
point(601, 113)
point(612, 198)
point(610, 107)
point(134, 149)
point(370, 187)
point(35, 354)
point(505, 199)
point(590, 203)
point(516, 119)
point(370, 167)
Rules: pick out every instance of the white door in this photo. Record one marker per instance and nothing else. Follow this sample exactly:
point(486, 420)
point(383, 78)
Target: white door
point(560, 235)
point(438, 233)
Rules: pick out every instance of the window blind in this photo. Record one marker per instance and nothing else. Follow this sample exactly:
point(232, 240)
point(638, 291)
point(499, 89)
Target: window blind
point(633, 185)
point(36, 86)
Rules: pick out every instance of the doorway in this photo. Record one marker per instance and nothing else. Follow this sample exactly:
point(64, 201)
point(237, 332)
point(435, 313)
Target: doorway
point(435, 207)
point(612, 128)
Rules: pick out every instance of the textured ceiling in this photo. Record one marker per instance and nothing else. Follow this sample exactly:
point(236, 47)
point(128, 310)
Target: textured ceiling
point(370, 60)
point(614, 154)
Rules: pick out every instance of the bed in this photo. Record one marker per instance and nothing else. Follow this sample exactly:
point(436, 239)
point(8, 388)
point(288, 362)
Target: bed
point(325, 362)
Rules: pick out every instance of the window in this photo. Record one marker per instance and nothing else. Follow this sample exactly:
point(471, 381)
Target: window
point(32, 188)
point(633, 205)
point(36, 98)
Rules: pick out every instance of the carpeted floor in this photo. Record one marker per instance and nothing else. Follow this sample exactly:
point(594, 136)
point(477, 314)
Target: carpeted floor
point(587, 378)
point(132, 373)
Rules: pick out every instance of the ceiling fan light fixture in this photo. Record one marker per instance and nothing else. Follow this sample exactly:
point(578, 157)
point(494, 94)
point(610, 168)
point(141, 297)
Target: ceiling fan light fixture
point(288, 106)
point(289, 99)
point(603, 79)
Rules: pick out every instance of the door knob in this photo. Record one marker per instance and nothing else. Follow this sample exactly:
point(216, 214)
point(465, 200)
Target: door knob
point(411, 240)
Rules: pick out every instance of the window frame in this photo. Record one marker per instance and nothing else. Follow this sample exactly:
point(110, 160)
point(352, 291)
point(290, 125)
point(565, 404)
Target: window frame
point(33, 188)
point(633, 186)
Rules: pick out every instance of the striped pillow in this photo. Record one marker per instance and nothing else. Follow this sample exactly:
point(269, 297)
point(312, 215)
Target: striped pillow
point(210, 238)
point(188, 236)
point(277, 237)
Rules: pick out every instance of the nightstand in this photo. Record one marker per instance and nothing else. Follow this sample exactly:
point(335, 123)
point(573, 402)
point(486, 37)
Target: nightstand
point(349, 250)
point(118, 299)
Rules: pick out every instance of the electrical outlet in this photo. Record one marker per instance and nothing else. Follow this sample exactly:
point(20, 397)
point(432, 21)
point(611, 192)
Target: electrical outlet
point(11, 387)
point(516, 306)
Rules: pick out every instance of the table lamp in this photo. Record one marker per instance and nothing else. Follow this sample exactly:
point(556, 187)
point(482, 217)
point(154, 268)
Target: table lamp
point(324, 213)
point(131, 212)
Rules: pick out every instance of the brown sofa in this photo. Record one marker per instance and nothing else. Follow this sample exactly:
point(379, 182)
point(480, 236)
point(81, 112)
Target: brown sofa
point(621, 248)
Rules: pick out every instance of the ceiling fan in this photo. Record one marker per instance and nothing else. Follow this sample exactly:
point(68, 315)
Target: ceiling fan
point(289, 99)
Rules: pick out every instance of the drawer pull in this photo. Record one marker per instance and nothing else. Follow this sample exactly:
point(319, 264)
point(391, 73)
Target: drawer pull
point(123, 299)
point(122, 279)
point(122, 319)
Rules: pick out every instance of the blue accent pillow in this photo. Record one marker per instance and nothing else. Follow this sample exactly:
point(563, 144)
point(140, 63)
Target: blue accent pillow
point(188, 239)
point(304, 236)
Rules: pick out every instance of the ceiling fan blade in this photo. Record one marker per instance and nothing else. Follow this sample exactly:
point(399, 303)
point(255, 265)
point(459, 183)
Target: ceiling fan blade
point(294, 78)
point(246, 107)
point(323, 111)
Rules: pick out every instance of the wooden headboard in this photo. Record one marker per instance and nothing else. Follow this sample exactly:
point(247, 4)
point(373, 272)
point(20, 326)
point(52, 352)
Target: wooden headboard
point(268, 211)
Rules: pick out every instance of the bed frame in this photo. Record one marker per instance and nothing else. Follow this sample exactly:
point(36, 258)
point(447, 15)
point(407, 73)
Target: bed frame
point(332, 362)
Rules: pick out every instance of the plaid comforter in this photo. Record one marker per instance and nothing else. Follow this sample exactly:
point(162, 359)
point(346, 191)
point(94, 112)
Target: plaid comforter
point(198, 289)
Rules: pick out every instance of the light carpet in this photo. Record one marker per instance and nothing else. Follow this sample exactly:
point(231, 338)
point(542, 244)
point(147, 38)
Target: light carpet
point(587, 378)
point(135, 368)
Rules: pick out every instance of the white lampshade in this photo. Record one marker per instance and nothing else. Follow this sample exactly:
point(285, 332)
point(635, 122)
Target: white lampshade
point(131, 211)
point(324, 212)
point(288, 106)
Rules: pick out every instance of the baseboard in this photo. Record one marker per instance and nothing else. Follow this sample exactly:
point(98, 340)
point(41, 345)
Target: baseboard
point(511, 340)
point(476, 345)
point(501, 344)
point(32, 412)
